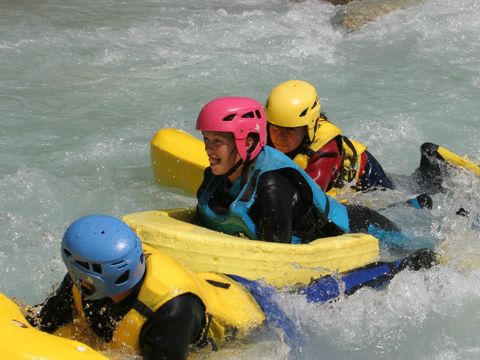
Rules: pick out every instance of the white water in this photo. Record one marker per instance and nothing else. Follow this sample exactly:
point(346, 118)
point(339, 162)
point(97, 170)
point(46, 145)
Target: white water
point(85, 85)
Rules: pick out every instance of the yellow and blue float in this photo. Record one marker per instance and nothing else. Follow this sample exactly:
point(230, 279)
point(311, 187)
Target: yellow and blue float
point(280, 265)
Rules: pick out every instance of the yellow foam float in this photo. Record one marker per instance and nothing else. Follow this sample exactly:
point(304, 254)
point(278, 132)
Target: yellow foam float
point(201, 249)
point(19, 340)
point(178, 159)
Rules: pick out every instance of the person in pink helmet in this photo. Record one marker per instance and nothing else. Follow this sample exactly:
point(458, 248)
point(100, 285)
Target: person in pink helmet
point(256, 191)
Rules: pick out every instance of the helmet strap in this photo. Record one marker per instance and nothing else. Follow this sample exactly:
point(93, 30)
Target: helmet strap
point(248, 161)
point(234, 168)
point(245, 169)
point(315, 127)
point(245, 162)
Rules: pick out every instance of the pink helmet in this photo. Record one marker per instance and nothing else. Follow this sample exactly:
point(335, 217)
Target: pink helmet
point(240, 116)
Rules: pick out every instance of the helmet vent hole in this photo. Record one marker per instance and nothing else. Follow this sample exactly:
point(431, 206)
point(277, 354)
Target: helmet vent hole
point(141, 259)
point(314, 105)
point(67, 253)
point(304, 112)
point(83, 264)
point(229, 117)
point(97, 268)
point(257, 112)
point(120, 264)
point(103, 232)
point(123, 278)
point(249, 115)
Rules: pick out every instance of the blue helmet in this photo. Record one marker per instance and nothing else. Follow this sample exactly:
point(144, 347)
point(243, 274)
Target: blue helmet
point(103, 256)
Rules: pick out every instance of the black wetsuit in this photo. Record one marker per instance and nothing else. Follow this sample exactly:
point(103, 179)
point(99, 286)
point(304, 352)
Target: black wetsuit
point(284, 206)
point(433, 169)
point(165, 335)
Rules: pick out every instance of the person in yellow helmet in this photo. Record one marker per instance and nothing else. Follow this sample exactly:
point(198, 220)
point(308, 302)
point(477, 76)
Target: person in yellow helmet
point(298, 128)
point(123, 296)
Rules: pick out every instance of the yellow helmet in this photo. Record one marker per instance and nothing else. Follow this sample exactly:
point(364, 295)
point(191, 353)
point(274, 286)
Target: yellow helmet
point(294, 103)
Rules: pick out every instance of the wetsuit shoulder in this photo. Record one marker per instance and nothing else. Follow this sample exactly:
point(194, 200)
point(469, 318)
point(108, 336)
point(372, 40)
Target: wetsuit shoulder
point(272, 208)
point(282, 196)
point(172, 328)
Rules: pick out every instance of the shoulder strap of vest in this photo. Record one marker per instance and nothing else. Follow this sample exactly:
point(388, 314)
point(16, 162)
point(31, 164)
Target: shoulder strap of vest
point(143, 309)
point(247, 194)
point(347, 174)
point(352, 172)
point(352, 148)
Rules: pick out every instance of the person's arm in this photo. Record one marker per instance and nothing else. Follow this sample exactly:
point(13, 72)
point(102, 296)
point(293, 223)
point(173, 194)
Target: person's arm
point(324, 165)
point(362, 218)
point(167, 334)
point(272, 210)
point(57, 310)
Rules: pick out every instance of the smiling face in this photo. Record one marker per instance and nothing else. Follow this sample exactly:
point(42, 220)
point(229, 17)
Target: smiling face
point(221, 151)
point(287, 139)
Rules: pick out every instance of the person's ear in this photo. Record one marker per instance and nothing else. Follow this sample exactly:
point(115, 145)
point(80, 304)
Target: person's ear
point(249, 142)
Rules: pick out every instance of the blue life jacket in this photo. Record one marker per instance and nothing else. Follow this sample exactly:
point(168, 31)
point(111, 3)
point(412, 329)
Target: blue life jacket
point(238, 221)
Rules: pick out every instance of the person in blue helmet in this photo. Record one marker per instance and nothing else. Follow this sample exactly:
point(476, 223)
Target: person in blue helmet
point(129, 297)
point(254, 190)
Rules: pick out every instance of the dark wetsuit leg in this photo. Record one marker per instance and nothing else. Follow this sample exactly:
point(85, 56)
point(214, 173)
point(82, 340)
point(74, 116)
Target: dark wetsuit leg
point(363, 219)
point(432, 170)
point(374, 175)
point(373, 275)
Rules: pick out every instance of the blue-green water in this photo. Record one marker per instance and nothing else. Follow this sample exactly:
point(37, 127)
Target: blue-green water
point(85, 85)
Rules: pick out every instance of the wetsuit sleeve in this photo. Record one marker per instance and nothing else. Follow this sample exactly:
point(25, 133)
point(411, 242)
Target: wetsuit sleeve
point(272, 210)
point(361, 219)
point(167, 334)
point(57, 310)
point(324, 165)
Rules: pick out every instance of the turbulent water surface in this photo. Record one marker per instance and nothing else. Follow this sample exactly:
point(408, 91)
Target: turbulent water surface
point(84, 86)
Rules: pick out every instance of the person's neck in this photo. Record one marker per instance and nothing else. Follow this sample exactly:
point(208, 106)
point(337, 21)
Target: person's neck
point(119, 297)
point(236, 174)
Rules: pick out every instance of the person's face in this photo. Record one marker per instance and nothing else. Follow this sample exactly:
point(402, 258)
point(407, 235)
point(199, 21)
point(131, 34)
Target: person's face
point(88, 289)
point(221, 151)
point(286, 139)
